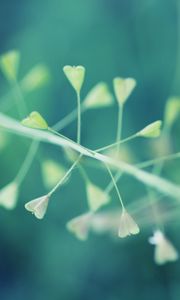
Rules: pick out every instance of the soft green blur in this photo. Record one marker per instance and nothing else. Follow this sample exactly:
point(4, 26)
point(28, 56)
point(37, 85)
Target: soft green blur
point(40, 259)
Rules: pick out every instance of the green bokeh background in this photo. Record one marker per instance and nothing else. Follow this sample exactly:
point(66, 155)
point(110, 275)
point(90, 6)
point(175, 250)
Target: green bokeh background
point(137, 38)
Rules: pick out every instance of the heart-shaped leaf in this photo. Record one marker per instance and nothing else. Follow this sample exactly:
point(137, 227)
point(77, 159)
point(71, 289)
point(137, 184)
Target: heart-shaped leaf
point(96, 196)
point(152, 130)
point(38, 206)
point(35, 78)
point(75, 75)
point(9, 195)
point(9, 64)
point(99, 96)
point(123, 88)
point(35, 120)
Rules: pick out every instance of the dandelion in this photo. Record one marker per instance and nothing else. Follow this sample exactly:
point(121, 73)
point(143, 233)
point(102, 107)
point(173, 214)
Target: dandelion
point(38, 206)
point(35, 120)
point(164, 250)
point(96, 196)
point(152, 130)
point(127, 225)
point(9, 195)
point(80, 226)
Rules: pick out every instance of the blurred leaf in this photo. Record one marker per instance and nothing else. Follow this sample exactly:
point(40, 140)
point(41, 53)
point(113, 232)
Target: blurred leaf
point(35, 120)
point(172, 110)
point(96, 196)
point(9, 195)
point(38, 206)
point(123, 88)
point(36, 78)
point(52, 172)
point(75, 75)
point(152, 130)
point(9, 64)
point(99, 96)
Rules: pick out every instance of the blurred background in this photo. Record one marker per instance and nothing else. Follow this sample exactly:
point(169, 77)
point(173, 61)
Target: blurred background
point(136, 38)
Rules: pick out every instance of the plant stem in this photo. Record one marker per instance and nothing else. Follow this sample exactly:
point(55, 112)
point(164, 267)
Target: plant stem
point(117, 143)
point(27, 162)
point(65, 176)
point(147, 178)
point(157, 160)
point(115, 186)
point(68, 119)
point(78, 118)
point(21, 106)
point(66, 138)
point(83, 173)
point(119, 125)
point(111, 185)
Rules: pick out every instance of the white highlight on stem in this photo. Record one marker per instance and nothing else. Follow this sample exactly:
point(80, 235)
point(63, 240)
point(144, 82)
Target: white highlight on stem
point(151, 180)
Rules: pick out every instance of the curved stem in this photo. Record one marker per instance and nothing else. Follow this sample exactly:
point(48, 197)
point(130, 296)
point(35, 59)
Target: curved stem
point(21, 106)
point(83, 173)
point(151, 162)
point(68, 119)
point(119, 125)
point(27, 162)
point(115, 186)
point(66, 138)
point(147, 178)
point(111, 185)
point(65, 176)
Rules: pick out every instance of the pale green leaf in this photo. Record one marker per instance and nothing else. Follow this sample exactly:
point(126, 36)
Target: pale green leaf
point(172, 110)
point(52, 172)
point(96, 196)
point(123, 88)
point(35, 78)
point(9, 64)
point(9, 195)
point(164, 249)
point(79, 226)
point(99, 96)
point(75, 75)
point(38, 206)
point(35, 120)
point(152, 130)
point(127, 225)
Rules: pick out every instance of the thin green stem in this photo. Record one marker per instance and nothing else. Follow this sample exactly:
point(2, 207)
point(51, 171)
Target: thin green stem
point(154, 205)
point(115, 186)
point(21, 106)
point(119, 125)
point(110, 186)
point(157, 160)
point(78, 118)
point(66, 138)
point(27, 162)
point(68, 119)
point(160, 184)
point(117, 143)
point(65, 176)
point(83, 173)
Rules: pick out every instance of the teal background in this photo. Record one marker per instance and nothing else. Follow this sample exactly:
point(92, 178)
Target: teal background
point(137, 38)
